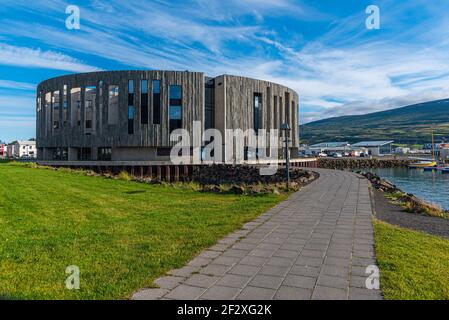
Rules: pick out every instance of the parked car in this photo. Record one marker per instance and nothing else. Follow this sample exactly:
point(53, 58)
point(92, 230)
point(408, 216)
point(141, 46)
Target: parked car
point(337, 155)
point(322, 154)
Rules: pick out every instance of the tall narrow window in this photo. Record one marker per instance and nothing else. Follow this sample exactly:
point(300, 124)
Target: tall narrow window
point(130, 107)
point(144, 101)
point(55, 103)
point(113, 104)
point(257, 112)
point(281, 112)
point(209, 105)
point(90, 96)
point(75, 102)
point(48, 111)
point(275, 113)
point(156, 102)
point(175, 107)
point(64, 106)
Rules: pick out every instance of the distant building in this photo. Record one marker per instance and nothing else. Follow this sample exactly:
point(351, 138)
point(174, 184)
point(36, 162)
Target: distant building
point(376, 148)
point(3, 151)
point(343, 148)
point(402, 150)
point(444, 151)
point(22, 149)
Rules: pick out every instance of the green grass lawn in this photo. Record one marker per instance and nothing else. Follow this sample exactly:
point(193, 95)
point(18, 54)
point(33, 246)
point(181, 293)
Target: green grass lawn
point(121, 234)
point(413, 265)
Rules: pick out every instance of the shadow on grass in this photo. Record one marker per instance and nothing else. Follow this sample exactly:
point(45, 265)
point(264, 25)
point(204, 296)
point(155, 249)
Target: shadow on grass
point(135, 191)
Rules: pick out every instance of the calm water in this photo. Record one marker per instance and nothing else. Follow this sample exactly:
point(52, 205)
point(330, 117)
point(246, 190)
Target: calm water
point(430, 186)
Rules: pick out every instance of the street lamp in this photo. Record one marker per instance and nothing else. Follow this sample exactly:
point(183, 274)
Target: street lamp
point(286, 128)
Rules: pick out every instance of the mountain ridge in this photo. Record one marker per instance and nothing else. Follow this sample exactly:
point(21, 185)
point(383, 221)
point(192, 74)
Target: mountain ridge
point(410, 124)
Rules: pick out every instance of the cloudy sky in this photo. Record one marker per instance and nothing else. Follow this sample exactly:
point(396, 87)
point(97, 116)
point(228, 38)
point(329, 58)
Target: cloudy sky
point(320, 48)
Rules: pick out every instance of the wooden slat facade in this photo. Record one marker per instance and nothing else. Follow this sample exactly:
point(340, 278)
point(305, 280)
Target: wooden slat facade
point(233, 108)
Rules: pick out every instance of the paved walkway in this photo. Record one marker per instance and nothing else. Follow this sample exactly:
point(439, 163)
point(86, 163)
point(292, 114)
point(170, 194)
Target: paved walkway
point(315, 245)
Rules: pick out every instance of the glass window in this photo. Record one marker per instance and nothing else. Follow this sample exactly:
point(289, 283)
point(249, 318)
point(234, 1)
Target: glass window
point(90, 96)
point(156, 102)
point(257, 110)
point(175, 107)
point(75, 103)
point(55, 103)
point(144, 102)
point(130, 86)
point(209, 105)
point(113, 104)
point(130, 119)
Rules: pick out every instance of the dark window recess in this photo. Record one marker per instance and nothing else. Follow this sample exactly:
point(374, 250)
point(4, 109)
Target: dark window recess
point(130, 107)
point(88, 124)
point(104, 154)
point(163, 152)
point(130, 119)
point(210, 105)
point(84, 154)
point(156, 102)
point(257, 111)
point(175, 107)
point(144, 102)
point(56, 125)
point(60, 154)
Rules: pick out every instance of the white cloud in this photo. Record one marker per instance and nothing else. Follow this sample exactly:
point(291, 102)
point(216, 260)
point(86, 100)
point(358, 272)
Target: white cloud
point(8, 84)
point(37, 58)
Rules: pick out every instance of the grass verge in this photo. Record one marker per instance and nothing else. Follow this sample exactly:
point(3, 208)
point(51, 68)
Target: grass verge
point(413, 265)
point(121, 234)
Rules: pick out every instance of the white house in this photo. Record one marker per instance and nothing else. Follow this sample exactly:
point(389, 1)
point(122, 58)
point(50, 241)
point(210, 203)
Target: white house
point(376, 148)
point(24, 149)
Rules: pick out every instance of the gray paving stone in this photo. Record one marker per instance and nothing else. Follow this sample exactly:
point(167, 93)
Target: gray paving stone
point(308, 271)
point(184, 292)
point(254, 293)
point(264, 281)
point(278, 271)
point(235, 253)
point(300, 281)
point(364, 294)
point(253, 261)
point(292, 293)
point(201, 280)
point(220, 293)
point(184, 271)
point(333, 282)
point(234, 281)
point(169, 282)
point(149, 294)
point(214, 269)
point(245, 270)
point(227, 261)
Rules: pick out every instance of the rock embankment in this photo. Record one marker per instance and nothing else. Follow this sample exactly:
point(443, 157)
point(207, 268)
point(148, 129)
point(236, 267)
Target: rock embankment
point(247, 179)
point(408, 201)
point(354, 163)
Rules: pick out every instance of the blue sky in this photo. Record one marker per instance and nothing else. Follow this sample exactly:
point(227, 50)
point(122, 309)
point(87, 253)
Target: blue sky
point(321, 49)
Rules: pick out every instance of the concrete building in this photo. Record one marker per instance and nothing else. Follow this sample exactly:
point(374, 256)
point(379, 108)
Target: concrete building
point(22, 149)
point(376, 148)
point(129, 115)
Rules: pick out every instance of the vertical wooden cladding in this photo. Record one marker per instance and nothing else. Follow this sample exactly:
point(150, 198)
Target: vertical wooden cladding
point(146, 134)
point(279, 104)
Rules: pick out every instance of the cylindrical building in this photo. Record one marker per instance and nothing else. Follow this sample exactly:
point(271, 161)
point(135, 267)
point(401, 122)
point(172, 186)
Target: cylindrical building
point(129, 115)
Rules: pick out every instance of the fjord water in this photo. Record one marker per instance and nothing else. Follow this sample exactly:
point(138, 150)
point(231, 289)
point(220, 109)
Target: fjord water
point(430, 186)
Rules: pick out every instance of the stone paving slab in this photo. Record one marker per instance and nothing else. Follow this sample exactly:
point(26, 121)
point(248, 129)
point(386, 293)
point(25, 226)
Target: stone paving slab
point(315, 245)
